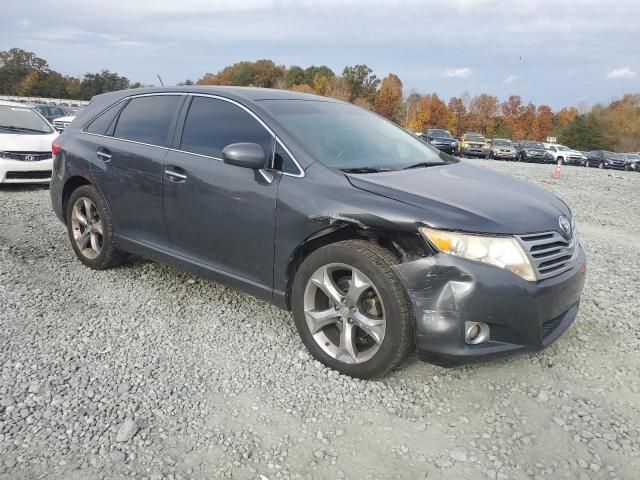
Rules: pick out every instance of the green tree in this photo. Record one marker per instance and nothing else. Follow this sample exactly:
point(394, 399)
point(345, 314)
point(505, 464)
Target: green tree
point(585, 132)
point(362, 81)
point(311, 72)
point(294, 76)
point(96, 83)
point(15, 65)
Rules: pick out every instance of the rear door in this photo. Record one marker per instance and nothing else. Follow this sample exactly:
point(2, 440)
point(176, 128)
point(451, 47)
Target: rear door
point(128, 165)
point(221, 216)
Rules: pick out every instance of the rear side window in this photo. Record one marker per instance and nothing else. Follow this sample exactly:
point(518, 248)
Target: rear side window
point(148, 119)
point(212, 124)
point(101, 124)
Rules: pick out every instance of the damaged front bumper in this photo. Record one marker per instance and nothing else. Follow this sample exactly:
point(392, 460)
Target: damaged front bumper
point(446, 291)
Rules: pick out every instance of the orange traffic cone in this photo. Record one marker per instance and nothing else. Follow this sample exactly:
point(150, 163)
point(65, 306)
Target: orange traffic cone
point(557, 174)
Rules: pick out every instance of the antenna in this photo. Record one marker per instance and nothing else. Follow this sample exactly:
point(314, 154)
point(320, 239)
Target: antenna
point(161, 82)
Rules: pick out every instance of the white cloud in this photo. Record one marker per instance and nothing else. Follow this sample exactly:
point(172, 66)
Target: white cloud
point(24, 23)
point(457, 72)
point(510, 79)
point(625, 72)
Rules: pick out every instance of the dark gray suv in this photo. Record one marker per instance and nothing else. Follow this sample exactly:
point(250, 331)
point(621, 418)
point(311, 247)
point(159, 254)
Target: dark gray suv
point(377, 241)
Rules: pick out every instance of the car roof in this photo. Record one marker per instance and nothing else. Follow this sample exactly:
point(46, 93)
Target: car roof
point(250, 94)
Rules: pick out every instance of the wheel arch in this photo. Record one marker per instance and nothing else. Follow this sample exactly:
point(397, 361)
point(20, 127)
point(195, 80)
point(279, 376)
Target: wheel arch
point(402, 245)
point(70, 186)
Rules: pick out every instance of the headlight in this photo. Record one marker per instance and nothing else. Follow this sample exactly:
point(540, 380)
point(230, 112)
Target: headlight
point(502, 252)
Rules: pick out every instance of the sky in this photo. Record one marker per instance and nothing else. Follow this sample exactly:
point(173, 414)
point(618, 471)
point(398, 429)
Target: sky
point(554, 52)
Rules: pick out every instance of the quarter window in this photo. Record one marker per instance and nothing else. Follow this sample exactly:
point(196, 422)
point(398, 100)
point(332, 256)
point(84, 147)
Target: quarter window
point(100, 125)
point(148, 119)
point(212, 124)
point(283, 162)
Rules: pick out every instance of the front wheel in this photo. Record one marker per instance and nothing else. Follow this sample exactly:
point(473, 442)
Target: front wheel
point(351, 311)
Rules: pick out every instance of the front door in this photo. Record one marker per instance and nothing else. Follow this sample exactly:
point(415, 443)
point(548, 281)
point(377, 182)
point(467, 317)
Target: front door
point(220, 216)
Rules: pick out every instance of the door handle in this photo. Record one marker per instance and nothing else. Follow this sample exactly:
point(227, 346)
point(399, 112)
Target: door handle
point(175, 176)
point(104, 155)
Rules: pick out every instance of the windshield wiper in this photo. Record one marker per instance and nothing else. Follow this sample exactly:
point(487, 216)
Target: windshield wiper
point(361, 170)
point(21, 129)
point(423, 164)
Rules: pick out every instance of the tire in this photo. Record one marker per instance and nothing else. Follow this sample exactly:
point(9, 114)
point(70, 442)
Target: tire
point(367, 261)
point(91, 234)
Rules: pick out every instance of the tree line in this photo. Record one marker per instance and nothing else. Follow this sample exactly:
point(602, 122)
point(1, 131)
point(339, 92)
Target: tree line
point(614, 126)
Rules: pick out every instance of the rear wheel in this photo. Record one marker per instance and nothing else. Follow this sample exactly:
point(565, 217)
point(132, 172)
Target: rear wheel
point(90, 229)
point(351, 311)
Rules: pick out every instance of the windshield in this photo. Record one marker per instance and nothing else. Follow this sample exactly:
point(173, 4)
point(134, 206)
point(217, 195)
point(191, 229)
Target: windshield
point(22, 120)
point(474, 138)
point(439, 134)
point(502, 143)
point(346, 137)
point(632, 156)
point(562, 148)
point(617, 156)
point(537, 145)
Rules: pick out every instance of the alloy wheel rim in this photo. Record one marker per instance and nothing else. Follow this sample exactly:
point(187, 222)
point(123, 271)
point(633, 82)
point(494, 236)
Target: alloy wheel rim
point(87, 228)
point(344, 313)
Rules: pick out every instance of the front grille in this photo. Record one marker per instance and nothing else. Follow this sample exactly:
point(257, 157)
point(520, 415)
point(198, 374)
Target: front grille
point(549, 326)
point(34, 175)
point(26, 156)
point(550, 252)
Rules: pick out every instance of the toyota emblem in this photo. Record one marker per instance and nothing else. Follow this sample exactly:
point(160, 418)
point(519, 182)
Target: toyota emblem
point(565, 226)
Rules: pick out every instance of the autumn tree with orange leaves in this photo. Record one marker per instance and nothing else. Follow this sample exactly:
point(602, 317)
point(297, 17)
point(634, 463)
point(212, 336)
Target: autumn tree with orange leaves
point(388, 100)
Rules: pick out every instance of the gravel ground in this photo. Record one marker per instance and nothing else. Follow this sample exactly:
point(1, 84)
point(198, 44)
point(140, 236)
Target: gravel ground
point(148, 372)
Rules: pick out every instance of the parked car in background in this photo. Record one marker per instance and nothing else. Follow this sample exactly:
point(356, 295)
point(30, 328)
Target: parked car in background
point(63, 122)
point(441, 139)
point(25, 144)
point(605, 159)
point(564, 154)
point(474, 145)
point(51, 112)
point(502, 149)
point(377, 242)
point(633, 161)
point(528, 151)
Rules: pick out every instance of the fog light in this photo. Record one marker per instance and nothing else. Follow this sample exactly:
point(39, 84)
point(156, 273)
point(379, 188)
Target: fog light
point(476, 332)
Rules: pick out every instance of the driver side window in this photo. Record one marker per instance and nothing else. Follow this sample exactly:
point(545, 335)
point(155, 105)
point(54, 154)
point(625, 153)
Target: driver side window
point(212, 124)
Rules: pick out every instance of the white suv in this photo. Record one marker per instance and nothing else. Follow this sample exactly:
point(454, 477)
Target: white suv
point(63, 122)
point(25, 145)
point(568, 156)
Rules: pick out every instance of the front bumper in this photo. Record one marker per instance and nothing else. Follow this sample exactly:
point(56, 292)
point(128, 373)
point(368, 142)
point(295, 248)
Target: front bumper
point(475, 152)
point(446, 148)
point(447, 291)
point(16, 171)
point(504, 155)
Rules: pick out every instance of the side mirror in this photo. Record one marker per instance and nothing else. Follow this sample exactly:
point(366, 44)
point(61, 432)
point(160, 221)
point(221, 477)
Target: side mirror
point(246, 155)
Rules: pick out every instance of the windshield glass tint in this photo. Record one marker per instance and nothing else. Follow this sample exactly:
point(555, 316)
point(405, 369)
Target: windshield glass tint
point(617, 156)
point(22, 119)
point(347, 137)
point(474, 138)
point(537, 145)
point(502, 143)
point(439, 133)
point(562, 148)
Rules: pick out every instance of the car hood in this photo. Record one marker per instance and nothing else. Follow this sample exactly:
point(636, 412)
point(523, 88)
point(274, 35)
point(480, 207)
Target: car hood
point(463, 197)
point(11, 142)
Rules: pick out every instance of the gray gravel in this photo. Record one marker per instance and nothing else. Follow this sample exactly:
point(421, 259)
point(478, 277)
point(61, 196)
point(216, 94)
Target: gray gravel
point(147, 372)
